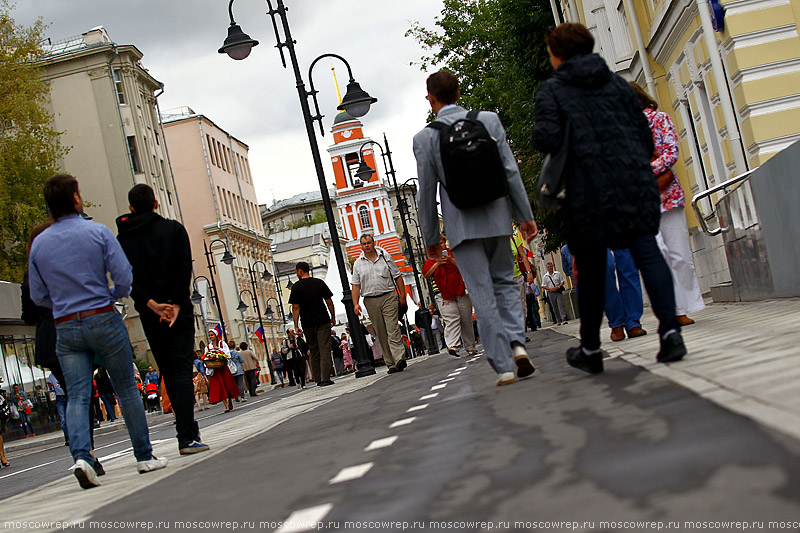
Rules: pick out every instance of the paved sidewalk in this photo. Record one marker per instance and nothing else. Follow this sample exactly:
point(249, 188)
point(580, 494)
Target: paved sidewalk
point(743, 356)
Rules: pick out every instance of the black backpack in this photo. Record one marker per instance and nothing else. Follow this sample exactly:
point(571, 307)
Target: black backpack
point(473, 170)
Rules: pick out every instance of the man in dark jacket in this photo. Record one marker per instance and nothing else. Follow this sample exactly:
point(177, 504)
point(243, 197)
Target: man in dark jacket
point(612, 199)
point(158, 250)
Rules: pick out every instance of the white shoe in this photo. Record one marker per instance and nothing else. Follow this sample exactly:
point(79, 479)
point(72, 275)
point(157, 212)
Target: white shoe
point(505, 378)
point(85, 474)
point(151, 464)
point(525, 368)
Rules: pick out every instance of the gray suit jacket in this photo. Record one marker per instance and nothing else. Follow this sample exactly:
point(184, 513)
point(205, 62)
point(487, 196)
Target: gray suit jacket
point(491, 220)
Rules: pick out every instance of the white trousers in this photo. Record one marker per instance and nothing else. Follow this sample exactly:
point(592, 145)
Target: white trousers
point(457, 317)
point(673, 240)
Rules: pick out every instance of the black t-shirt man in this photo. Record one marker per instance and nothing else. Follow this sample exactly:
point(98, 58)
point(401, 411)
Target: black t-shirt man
point(310, 294)
point(311, 303)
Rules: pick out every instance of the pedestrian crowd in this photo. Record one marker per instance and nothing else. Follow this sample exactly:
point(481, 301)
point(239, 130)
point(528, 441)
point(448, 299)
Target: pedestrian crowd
point(622, 216)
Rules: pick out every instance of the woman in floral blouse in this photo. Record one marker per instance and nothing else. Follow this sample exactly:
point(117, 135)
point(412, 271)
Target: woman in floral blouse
point(673, 233)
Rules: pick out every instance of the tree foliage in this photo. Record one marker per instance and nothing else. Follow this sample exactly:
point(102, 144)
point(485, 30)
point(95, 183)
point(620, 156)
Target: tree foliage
point(497, 50)
point(29, 147)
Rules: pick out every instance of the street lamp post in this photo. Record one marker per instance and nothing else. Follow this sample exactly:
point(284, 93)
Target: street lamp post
point(266, 276)
point(270, 314)
point(242, 307)
point(364, 172)
point(227, 258)
point(356, 102)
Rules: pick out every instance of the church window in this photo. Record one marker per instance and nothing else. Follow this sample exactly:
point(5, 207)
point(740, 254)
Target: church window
point(363, 213)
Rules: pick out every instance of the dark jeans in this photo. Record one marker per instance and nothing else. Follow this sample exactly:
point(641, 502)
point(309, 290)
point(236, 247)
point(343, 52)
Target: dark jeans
point(251, 381)
point(172, 349)
point(109, 402)
point(297, 368)
point(591, 263)
point(319, 351)
point(534, 320)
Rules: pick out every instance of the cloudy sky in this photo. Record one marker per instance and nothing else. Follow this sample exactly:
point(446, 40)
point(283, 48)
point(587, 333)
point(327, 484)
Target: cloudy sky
point(256, 100)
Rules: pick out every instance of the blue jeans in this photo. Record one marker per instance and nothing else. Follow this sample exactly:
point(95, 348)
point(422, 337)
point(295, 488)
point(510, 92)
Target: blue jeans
point(623, 306)
point(100, 337)
point(61, 409)
point(25, 422)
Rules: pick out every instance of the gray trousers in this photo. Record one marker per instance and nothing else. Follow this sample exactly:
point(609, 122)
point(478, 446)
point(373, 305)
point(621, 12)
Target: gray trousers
point(487, 266)
point(383, 313)
point(557, 300)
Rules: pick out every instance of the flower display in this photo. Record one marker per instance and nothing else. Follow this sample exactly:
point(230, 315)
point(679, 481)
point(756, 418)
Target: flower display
point(214, 355)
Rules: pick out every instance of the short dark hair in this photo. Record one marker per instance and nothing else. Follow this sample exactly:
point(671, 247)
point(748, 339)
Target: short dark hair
point(366, 236)
point(142, 198)
point(59, 193)
point(646, 100)
point(302, 265)
point(243, 346)
point(568, 40)
point(444, 86)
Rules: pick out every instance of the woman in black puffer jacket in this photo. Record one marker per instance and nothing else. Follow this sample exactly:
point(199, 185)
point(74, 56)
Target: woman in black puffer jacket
point(612, 198)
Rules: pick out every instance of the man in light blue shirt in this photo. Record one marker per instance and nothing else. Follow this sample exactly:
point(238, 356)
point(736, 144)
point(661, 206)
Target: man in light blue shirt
point(68, 269)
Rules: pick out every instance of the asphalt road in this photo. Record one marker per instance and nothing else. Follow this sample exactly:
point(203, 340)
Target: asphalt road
point(562, 451)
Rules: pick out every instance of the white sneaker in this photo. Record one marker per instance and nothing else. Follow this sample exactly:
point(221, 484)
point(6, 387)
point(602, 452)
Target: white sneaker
point(525, 368)
point(154, 463)
point(505, 378)
point(85, 474)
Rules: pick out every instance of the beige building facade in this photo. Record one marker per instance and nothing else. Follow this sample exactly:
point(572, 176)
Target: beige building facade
point(105, 103)
point(727, 72)
point(212, 173)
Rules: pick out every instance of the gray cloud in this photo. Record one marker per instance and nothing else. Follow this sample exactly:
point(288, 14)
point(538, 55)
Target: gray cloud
point(255, 100)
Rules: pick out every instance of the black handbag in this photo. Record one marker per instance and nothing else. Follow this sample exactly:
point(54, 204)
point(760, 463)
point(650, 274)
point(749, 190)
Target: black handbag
point(552, 186)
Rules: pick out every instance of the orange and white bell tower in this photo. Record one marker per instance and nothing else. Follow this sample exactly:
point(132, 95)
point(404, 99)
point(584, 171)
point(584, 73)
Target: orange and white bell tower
point(364, 206)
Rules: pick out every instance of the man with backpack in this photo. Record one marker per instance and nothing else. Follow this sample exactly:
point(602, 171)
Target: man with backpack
point(467, 153)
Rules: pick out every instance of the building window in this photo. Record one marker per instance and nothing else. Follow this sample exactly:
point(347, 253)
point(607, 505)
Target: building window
point(119, 87)
point(307, 214)
point(351, 163)
point(134, 156)
point(363, 214)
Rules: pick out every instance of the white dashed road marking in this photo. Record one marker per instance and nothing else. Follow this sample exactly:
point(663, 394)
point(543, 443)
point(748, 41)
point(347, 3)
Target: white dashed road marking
point(446, 380)
point(381, 443)
point(417, 408)
point(440, 386)
point(305, 519)
point(351, 472)
point(429, 396)
point(403, 422)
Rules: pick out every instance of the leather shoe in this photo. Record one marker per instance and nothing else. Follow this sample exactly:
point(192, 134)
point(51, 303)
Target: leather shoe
point(618, 333)
point(392, 371)
point(636, 331)
point(684, 320)
point(672, 349)
point(401, 365)
point(593, 364)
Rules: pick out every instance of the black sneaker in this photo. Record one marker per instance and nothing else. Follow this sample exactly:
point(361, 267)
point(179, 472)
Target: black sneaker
point(98, 468)
point(672, 349)
point(593, 364)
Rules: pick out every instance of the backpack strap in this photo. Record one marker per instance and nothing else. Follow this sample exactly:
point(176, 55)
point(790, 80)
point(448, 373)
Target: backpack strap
point(473, 115)
point(441, 126)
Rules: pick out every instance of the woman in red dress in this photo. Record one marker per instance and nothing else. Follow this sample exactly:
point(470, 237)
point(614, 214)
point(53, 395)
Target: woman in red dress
point(221, 383)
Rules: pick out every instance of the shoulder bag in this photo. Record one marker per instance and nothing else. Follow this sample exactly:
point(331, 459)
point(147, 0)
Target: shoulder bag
point(552, 187)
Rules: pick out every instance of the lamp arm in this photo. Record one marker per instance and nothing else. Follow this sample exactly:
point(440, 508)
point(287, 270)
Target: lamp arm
point(281, 11)
point(313, 92)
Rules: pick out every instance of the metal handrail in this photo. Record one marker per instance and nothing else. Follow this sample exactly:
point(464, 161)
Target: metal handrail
point(709, 192)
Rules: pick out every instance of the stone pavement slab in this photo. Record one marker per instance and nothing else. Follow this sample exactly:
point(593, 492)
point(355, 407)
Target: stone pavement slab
point(744, 356)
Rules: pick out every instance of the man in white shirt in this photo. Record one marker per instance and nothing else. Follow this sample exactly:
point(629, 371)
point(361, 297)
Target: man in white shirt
point(553, 283)
point(377, 278)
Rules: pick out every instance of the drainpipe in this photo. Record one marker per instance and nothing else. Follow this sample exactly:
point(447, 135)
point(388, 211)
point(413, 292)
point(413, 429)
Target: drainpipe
point(720, 80)
point(556, 18)
point(643, 57)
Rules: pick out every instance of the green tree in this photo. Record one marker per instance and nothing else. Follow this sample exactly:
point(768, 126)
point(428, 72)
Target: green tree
point(497, 50)
point(29, 146)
